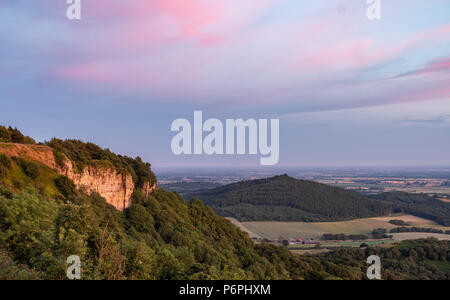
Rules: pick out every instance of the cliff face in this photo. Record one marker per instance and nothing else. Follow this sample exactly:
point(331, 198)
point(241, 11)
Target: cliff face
point(115, 188)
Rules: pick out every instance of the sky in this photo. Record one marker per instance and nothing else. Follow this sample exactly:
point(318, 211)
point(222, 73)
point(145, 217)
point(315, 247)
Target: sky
point(348, 91)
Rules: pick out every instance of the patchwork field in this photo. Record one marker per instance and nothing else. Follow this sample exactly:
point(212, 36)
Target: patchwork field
point(274, 230)
point(419, 235)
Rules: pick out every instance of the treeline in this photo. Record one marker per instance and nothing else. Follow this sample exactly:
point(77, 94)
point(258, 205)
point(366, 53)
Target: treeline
point(13, 135)
point(343, 237)
point(283, 198)
point(419, 205)
point(86, 154)
point(398, 222)
point(380, 233)
point(418, 229)
point(411, 260)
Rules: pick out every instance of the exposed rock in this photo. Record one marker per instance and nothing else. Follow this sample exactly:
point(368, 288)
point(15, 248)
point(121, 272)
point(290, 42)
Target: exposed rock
point(114, 187)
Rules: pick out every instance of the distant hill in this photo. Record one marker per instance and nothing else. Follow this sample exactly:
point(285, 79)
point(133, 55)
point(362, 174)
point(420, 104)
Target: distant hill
point(185, 188)
point(283, 198)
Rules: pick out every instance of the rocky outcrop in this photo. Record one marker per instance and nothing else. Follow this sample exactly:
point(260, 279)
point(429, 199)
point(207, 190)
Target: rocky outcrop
point(114, 187)
point(147, 189)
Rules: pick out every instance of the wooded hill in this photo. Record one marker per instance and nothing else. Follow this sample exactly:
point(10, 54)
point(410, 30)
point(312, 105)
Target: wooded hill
point(283, 198)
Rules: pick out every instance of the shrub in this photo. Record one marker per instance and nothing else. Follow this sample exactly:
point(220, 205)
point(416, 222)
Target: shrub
point(398, 222)
point(5, 161)
point(5, 165)
point(9, 270)
point(60, 158)
point(65, 186)
point(6, 193)
point(30, 168)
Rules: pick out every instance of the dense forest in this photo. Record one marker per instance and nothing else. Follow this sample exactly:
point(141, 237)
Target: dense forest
point(419, 205)
point(283, 198)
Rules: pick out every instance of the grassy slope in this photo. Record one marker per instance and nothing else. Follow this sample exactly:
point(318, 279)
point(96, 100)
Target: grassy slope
point(45, 182)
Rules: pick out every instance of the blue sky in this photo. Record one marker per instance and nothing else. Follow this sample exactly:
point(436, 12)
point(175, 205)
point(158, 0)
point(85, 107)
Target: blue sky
point(348, 91)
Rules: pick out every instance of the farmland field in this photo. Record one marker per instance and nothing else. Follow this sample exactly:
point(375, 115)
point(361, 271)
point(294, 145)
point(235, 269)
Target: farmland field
point(274, 230)
point(419, 235)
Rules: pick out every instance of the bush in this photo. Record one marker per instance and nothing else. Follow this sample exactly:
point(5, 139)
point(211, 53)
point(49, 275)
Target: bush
point(9, 270)
point(398, 222)
point(60, 158)
point(66, 186)
point(30, 168)
point(13, 135)
point(5, 161)
point(6, 193)
point(140, 218)
point(5, 165)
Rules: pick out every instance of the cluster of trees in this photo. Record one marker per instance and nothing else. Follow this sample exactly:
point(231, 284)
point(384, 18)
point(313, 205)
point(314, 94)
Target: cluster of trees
point(398, 223)
point(85, 154)
point(13, 135)
point(283, 198)
point(418, 229)
point(343, 237)
point(411, 260)
point(420, 205)
point(380, 233)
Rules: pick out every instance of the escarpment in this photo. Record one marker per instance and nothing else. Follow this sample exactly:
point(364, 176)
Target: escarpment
point(116, 187)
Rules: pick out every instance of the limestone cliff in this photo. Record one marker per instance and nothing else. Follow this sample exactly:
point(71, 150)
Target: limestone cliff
point(114, 187)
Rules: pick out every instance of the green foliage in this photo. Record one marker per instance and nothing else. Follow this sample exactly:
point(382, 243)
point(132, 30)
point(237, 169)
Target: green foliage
point(416, 229)
point(60, 158)
point(410, 260)
point(5, 161)
point(398, 222)
point(30, 168)
point(343, 237)
point(13, 135)
point(27, 225)
point(5, 165)
point(66, 186)
point(379, 233)
point(419, 205)
point(9, 270)
point(283, 198)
